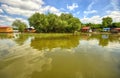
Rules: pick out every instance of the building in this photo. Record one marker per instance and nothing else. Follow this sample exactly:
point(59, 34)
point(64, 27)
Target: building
point(86, 29)
point(115, 30)
point(30, 30)
point(6, 29)
point(106, 29)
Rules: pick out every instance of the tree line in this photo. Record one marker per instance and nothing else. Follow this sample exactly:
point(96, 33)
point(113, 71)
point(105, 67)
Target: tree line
point(65, 23)
point(107, 22)
point(50, 23)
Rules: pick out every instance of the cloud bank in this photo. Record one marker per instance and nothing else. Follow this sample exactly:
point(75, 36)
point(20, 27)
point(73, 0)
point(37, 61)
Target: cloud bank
point(88, 12)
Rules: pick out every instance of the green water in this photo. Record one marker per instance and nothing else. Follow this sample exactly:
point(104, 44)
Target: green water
point(59, 55)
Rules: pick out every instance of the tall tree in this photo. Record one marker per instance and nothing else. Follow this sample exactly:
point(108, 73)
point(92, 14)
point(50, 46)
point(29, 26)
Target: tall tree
point(19, 25)
point(107, 22)
point(53, 23)
point(74, 24)
point(38, 21)
point(66, 17)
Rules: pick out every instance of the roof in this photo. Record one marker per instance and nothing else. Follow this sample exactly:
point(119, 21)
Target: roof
point(86, 28)
point(117, 28)
point(29, 29)
point(106, 28)
point(5, 27)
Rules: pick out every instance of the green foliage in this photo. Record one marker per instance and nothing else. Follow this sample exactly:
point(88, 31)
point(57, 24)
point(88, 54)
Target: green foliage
point(107, 21)
point(19, 25)
point(93, 26)
point(116, 24)
point(53, 23)
point(38, 21)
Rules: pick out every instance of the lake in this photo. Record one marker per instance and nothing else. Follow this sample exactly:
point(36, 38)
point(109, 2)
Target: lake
point(59, 55)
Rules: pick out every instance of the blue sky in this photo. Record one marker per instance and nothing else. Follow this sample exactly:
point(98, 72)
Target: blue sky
point(88, 11)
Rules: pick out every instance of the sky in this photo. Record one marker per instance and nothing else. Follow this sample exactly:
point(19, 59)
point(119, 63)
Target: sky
point(88, 11)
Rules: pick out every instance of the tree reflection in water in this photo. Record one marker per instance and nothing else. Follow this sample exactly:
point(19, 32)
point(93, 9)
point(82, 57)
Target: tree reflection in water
point(55, 42)
point(21, 39)
point(6, 35)
point(41, 43)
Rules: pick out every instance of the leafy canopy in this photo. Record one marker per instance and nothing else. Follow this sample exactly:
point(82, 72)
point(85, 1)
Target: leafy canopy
point(53, 23)
point(19, 25)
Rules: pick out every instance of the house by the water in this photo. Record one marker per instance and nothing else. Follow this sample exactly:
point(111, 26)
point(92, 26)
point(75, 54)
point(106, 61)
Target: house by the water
point(86, 29)
point(30, 30)
point(6, 29)
point(115, 30)
point(106, 29)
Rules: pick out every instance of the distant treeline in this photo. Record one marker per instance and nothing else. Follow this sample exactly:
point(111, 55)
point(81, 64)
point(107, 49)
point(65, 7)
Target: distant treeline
point(64, 23)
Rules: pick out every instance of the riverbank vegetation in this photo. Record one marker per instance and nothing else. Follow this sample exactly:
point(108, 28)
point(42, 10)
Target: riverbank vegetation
point(64, 23)
point(19, 25)
point(52, 23)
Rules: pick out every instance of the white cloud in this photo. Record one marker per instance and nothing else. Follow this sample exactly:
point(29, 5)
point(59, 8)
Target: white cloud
point(24, 8)
point(1, 11)
point(115, 4)
point(90, 5)
point(20, 7)
point(94, 19)
point(115, 15)
point(90, 12)
point(50, 9)
point(27, 13)
point(7, 20)
point(24, 4)
point(89, 9)
point(16, 11)
point(72, 7)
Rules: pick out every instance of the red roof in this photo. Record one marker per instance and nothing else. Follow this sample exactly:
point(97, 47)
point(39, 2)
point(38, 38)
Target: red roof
point(5, 27)
point(117, 28)
point(86, 28)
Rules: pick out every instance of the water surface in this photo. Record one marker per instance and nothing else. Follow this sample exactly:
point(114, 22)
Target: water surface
point(59, 55)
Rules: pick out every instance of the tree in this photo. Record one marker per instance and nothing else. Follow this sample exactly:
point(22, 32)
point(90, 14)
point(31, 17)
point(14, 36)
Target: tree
point(38, 21)
point(72, 23)
point(19, 25)
point(116, 24)
point(92, 25)
point(107, 22)
point(52, 23)
point(66, 17)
